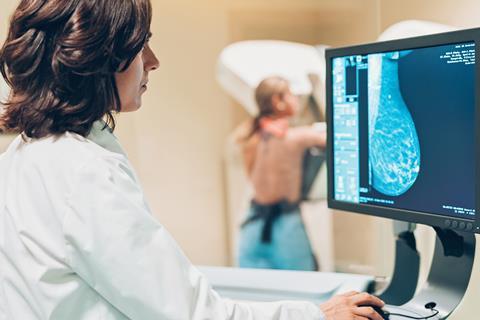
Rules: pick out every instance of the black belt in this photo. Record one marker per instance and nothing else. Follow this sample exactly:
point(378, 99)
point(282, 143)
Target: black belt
point(269, 213)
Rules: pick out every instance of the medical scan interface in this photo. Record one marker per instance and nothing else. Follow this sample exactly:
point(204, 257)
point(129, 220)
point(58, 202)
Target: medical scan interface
point(404, 129)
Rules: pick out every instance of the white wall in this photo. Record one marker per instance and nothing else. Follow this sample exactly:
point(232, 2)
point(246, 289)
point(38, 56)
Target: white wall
point(461, 13)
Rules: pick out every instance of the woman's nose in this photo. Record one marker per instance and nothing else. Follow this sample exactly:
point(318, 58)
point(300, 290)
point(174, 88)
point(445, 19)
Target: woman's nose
point(150, 60)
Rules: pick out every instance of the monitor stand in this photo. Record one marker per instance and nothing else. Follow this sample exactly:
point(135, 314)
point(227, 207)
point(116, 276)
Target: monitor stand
point(448, 278)
point(403, 284)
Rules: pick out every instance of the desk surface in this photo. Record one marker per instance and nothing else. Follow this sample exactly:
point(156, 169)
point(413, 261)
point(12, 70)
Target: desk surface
point(272, 285)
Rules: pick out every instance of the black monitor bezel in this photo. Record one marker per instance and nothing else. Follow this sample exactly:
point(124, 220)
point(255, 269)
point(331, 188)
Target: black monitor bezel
point(435, 220)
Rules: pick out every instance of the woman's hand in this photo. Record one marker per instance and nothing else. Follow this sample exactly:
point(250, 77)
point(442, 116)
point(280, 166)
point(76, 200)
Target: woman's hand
point(352, 306)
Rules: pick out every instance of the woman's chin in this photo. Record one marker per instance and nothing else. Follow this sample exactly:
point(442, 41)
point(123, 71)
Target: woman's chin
point(132, 107)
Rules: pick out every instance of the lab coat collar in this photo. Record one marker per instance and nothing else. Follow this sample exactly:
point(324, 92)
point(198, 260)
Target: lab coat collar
point(102, 135)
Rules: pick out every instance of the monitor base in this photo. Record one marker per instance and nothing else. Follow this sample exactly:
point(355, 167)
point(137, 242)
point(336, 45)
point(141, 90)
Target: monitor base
point(448, 279)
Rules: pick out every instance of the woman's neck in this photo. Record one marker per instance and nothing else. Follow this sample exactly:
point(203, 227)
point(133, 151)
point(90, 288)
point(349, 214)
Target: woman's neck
point(275, 126)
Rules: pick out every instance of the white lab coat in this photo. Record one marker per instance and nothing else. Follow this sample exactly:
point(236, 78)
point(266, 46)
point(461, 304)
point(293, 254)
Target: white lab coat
point(78, 241)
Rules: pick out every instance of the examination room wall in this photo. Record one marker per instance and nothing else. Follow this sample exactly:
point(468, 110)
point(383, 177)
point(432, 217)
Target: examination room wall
point(460, 13)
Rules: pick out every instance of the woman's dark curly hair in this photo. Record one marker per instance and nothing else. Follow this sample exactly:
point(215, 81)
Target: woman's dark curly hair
point(60, 59)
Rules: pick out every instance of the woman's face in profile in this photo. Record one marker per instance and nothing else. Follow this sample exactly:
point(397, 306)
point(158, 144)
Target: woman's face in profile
point(292, 103)
point(132, 83)
point(285, 104)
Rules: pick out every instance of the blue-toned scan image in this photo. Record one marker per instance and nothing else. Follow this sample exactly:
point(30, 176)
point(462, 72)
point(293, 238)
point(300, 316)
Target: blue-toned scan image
point(394, 147)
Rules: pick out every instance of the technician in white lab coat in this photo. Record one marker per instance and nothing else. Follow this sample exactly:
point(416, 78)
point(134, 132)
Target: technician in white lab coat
point(77, 239)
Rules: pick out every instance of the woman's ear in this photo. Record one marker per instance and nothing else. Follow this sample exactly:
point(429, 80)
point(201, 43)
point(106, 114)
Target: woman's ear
point(277, 103)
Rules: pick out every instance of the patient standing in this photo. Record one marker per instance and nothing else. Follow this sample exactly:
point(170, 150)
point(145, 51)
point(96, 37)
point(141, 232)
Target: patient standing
point(273, 234)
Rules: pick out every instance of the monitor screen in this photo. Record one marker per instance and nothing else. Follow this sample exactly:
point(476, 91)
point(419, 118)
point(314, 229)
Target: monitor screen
point(402, 127)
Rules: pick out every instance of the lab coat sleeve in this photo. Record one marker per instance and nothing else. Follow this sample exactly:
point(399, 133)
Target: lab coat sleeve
point(117, 247)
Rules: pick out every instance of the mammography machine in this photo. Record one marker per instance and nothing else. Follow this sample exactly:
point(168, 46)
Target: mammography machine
point(241, 67)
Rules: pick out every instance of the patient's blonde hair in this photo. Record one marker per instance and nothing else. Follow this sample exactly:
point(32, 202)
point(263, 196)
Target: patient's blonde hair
point(267, 88)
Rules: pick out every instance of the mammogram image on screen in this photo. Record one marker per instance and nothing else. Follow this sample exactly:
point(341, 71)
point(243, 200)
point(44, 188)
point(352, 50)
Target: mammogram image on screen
point(404, 129)
point(394, 150)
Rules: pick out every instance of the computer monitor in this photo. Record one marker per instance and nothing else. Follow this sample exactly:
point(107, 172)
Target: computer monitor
point(402, 129)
